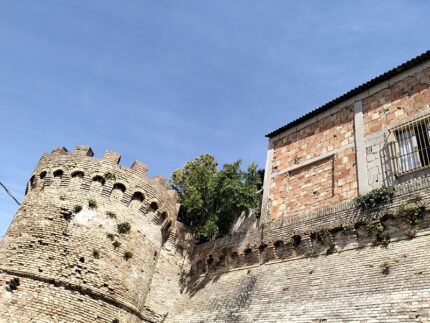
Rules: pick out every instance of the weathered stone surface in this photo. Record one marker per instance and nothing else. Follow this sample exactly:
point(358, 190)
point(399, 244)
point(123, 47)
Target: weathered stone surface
point(65, 247)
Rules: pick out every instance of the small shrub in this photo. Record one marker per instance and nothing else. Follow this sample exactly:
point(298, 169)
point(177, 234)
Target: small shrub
point(96, 254)
point(110, 236)
point(369, 225)
point(110, 214)
point(382, 236)
point(92, 203)
point(411, 234)
point(384, 194)
point(320, 236)
point(116, 244)
point(109, 175)
point(411, 213)
point(128, 255)
point(331, 250)
point(124, 227)
point(62, 198)
point(308, 253)
point(266, 223)
point(415, 199)
point(385, 268)
point(379, 230)
point(77, 208)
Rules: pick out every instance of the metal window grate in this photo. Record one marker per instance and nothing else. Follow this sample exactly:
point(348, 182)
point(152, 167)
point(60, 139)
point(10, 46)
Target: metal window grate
point(410, 149)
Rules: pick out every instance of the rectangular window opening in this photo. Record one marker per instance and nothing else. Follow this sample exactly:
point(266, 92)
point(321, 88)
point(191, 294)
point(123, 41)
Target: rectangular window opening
point(410, 150)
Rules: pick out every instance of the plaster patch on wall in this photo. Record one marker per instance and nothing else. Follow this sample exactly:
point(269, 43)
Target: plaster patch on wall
point(85, 217)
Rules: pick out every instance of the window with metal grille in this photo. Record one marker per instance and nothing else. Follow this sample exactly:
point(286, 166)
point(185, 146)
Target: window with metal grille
point(410, 147)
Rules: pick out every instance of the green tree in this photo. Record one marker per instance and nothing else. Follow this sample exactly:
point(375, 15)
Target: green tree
point(211, 199)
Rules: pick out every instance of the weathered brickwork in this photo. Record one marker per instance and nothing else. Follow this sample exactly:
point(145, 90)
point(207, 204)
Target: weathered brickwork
point(303, 188)
point(348, 286)
point(401, 102)
point(397, 101)
point(170, 276)
point(67, 232)
point(261, 275)
point(96, 241)
point(279, 234)
point(299, 151)
point(329, 133)
point(314, 166)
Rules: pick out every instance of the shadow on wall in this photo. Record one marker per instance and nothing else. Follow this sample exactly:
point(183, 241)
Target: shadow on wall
point(363, 233)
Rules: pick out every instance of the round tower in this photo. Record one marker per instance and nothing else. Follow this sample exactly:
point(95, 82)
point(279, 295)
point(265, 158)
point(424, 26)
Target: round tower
point(84, 242)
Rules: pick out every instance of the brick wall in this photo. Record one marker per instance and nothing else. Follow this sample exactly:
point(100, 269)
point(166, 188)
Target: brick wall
point(399, 102)
point(299, 151)
point(261, 276)
point(80, 253)
point(170, 276)
point(314, 166)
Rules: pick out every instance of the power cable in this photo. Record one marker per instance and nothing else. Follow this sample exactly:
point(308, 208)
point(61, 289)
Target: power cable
point(10, 194)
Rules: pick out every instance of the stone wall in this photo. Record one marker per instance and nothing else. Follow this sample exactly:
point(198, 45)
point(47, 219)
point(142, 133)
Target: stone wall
point(65, 240)
point(335, 272)
point(170, 276)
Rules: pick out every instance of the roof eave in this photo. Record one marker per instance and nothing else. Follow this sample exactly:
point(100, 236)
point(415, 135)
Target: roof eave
point(365, 86)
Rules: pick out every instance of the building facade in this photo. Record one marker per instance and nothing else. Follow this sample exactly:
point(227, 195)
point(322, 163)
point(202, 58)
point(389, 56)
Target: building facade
point(376, 134)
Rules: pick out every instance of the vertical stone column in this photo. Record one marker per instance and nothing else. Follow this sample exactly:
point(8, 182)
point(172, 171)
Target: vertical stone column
point(360, 148)
point(265, 207)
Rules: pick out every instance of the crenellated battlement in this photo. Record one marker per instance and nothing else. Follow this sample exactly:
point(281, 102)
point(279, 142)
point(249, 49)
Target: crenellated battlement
point(106, 176)
point(93, 227)
point(319, 233)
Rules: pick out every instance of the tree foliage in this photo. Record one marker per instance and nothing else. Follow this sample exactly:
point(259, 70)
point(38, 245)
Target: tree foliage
point(211, 199)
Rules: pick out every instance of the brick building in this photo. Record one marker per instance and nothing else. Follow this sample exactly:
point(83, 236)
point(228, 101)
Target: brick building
point(376, 134)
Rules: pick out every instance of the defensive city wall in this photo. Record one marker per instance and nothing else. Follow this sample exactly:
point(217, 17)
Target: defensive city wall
point(97, 241)
point(315, 255)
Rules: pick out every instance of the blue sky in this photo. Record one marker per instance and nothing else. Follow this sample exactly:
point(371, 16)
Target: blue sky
point(165, 81)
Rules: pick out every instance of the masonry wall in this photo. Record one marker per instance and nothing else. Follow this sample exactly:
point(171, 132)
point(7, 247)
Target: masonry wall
point(314, 166)
point(342, 153)
point(171, 273)
point(263, 276)
point(400, 101)
point(66, 252)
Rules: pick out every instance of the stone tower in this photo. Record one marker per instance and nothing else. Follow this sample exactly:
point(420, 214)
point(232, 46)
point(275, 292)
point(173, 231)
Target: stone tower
point(85, 241)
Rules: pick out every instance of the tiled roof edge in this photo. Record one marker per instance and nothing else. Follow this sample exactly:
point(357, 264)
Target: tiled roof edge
point(365, 86)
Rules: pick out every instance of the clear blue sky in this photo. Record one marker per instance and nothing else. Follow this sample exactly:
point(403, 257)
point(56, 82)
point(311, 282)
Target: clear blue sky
point(165, 81)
